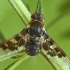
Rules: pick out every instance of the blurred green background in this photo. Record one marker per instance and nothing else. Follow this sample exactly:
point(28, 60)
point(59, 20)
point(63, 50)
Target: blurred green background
point(57, 24)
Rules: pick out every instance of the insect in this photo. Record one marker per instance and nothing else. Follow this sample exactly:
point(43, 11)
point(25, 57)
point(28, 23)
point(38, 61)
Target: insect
point(32, 39)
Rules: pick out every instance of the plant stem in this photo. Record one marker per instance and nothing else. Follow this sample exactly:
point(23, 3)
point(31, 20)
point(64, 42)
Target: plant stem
point(17, 62)
point(21, 10)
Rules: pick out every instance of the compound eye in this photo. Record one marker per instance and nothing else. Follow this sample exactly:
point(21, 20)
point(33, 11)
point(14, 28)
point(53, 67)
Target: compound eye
point(34, 16)
point(41, 18)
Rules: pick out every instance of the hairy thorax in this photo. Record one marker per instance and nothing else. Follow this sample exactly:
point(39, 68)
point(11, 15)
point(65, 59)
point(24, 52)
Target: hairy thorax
point(34, 38)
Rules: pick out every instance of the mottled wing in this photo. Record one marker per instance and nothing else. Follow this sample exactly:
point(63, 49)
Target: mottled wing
point(54, 53)
point(12, 46)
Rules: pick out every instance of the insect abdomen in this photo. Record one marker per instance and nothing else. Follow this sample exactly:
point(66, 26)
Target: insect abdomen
point(32, 49)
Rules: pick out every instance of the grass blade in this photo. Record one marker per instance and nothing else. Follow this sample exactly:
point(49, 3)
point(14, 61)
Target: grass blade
point(17, 62)
point(21, 10)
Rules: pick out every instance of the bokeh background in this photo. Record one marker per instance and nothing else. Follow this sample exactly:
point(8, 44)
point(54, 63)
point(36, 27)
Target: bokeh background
point(57, 24)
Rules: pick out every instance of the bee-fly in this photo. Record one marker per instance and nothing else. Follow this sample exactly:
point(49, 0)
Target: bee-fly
point(32, 39)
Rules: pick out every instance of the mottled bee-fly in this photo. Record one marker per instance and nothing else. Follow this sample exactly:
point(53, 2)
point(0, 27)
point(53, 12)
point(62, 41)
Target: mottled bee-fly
point(32, 39)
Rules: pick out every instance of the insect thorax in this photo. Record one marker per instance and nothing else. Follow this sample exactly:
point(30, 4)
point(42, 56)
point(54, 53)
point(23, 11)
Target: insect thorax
point(34, 36)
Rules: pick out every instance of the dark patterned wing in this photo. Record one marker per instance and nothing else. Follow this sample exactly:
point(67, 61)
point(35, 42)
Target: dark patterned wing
point(12, 46)
point(55, 54)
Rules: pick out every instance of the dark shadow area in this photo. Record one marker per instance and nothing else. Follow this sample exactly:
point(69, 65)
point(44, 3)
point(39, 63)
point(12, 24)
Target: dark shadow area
point(2, 38)
point(26, 4)
point(65, 34)
point(64, 6)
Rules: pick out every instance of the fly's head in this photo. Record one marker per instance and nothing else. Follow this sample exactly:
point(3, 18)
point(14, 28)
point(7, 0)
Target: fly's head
point(37, 17)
